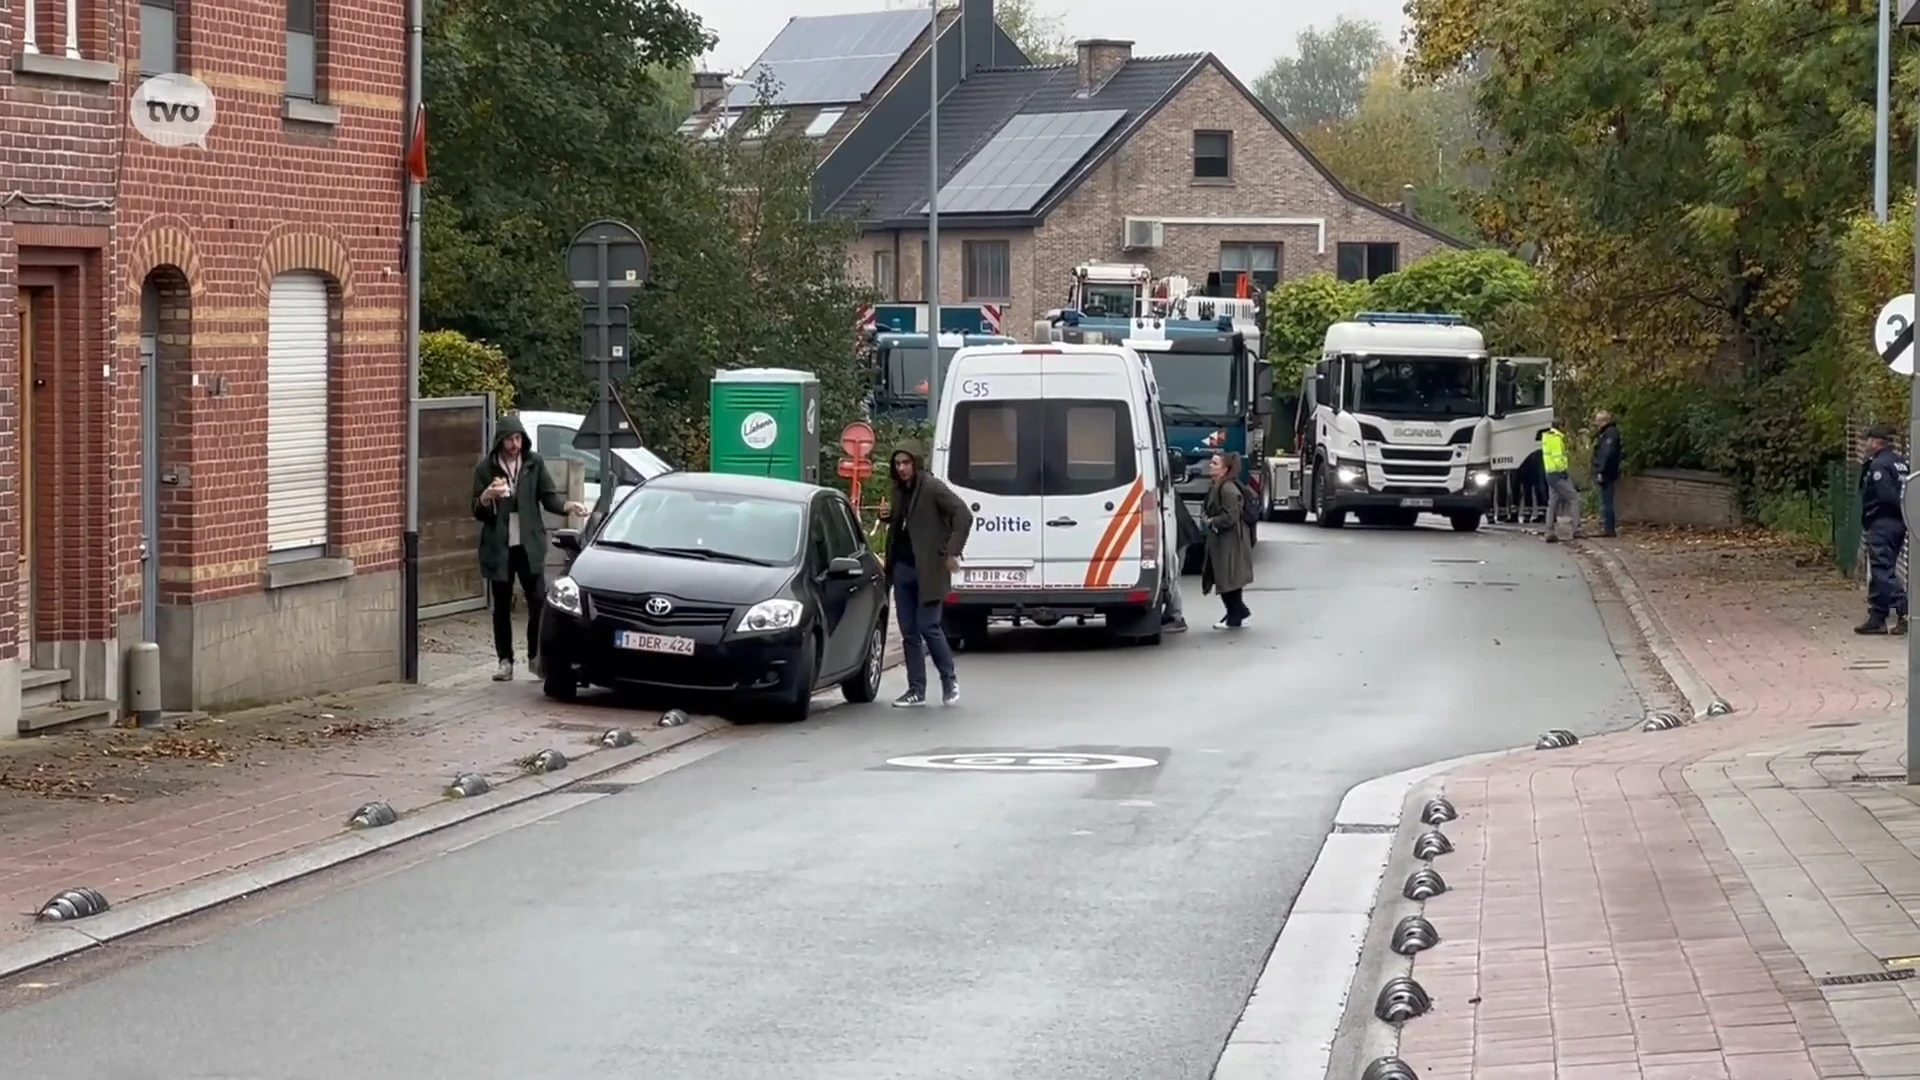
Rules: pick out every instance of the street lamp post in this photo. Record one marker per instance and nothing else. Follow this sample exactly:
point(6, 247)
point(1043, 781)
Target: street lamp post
point(930, 273)
point(1884, 108)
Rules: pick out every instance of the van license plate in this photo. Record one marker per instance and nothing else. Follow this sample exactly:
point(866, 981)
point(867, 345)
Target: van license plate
point(992, 578)
point(1411, 504)
point(660, 643)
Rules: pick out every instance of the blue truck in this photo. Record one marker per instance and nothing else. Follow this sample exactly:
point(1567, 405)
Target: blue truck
point(1215, 394)
point(902, 366)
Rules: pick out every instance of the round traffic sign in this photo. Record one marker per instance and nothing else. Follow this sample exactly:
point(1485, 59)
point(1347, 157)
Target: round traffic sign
point(1893, 320)
point(1024, 761)
point(857, 439)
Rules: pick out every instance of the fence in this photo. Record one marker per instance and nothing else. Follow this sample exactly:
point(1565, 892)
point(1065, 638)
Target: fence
point(454, 433)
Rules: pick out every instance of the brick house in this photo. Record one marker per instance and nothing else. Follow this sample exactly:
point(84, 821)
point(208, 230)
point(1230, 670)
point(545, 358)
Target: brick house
point(1166, 161)
point(247, 297)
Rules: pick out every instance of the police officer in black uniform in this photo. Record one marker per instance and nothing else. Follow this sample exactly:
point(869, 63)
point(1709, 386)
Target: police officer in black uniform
point(1884, 529)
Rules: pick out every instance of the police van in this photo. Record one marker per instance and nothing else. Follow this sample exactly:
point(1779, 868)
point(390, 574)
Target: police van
point(1059, 451)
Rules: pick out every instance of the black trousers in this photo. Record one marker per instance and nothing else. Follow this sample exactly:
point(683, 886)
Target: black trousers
point(1885, 594)
point(534, 585)
point(1236, 605)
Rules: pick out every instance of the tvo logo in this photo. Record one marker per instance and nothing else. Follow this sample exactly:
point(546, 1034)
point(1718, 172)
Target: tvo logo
point(173, 110)
point(1003, 523)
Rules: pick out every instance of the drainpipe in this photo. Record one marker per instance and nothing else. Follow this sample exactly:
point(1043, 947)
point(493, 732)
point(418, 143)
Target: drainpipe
point(410, 542)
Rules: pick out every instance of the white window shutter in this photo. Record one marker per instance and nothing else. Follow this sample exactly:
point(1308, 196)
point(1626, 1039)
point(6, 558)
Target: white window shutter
point(297, 421)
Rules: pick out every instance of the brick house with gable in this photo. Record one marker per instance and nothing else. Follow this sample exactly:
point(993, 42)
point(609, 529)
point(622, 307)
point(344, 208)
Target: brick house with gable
point(1166, 161)
point(247, 298)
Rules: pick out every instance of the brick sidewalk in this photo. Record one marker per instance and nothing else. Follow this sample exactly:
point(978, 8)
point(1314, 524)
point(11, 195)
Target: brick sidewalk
point(1660, 905)
point(133, 813)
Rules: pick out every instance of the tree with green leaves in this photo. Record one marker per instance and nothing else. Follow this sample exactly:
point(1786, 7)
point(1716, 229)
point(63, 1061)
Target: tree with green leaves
point(1038, 31)
point(1325, 80)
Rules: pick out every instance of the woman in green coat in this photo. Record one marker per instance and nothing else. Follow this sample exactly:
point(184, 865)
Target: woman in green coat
point(1229, 565)
point(511, 486)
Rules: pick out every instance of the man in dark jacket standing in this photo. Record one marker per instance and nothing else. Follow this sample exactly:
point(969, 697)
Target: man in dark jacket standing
point(511, 486)
point(927, 527)
point(1883, 479)
point(1606, 467)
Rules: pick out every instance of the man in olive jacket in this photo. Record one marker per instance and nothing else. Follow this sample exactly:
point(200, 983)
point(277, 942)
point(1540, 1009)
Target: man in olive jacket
point(511, 486)
point(927, 527)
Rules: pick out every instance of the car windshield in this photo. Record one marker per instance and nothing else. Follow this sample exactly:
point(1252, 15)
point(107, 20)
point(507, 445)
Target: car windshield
point(1195, 388)
point(706, 524)
point(908, 369)
point(1417, 387)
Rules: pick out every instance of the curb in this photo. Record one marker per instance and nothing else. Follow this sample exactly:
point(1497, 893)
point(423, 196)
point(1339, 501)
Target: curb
point(59, 941)
point(1291, 1022)
point(1692, 687)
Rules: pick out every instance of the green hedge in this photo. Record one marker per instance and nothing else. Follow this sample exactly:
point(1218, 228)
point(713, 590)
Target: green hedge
point(454, 365)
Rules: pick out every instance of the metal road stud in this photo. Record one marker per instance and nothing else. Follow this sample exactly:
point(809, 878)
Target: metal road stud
point(1431, 843)
point(1424, 884)
point(672, 718)
point(1557, 738)
point(73, 904)
point(545, 761)
point(372, 816)
point(1400, 1000)
point(467, 785)
point(1389, 1068)
point(1663, 720)
point(1718, 707)
point(1438, 811)
point(616, 738)
point(1414, 934)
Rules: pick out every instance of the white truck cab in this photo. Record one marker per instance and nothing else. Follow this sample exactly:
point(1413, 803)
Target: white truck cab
point(1059, 452)
point(1406, 413)
point(553, 434)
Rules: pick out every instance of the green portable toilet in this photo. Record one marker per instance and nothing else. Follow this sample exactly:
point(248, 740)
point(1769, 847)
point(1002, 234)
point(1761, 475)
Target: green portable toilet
point(766, 422)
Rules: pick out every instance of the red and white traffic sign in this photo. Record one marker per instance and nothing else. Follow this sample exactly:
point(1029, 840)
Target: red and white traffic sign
point(856, 439)
point(990, 317)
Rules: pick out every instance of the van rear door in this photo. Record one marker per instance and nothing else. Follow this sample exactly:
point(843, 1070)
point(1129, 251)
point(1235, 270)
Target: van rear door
point(1092, 479)
point(994, 461)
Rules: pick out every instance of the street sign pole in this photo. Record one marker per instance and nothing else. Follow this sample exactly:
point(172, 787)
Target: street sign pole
point(605, 258)
point(931, 271)
point(1913, 442)
point(1884, 106)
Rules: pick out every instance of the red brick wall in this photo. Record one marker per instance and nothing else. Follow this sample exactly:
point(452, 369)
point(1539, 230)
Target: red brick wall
point(268, 195)
point(59, 151)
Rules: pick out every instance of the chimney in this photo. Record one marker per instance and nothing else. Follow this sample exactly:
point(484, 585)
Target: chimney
point(1406, 201)
point(708, 87)
point(976, 36)
point(1099, 59)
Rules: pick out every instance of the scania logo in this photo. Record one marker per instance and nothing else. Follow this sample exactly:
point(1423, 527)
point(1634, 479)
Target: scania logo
point(1417, 433)
point(659, 605)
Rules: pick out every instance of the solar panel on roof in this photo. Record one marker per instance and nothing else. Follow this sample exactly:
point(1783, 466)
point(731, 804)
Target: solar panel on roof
point(1024, 161)
point(830, 59)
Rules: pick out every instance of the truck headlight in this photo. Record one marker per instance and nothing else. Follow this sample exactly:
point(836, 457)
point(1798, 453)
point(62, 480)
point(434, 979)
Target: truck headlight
point(1480, 477)
point(1350, 474)
point(564, 595)
point(768, 616)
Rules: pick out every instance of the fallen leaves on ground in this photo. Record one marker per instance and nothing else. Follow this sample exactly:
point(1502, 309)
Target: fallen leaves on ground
point(50, 781)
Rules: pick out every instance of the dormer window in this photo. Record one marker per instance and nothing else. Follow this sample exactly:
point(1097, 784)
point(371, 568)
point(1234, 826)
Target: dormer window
point(824, 122)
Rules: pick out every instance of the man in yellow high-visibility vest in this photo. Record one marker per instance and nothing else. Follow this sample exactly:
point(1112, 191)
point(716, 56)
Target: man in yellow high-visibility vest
point(1561, 494)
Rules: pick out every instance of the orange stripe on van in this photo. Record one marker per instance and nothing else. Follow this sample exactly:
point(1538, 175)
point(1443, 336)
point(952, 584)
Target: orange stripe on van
point(1114, 541)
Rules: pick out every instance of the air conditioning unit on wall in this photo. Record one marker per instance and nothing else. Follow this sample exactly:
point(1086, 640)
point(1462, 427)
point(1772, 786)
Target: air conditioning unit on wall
point(1143, 234)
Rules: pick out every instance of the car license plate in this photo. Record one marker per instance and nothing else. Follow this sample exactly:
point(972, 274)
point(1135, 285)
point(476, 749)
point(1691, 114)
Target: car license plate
point(660, 643)
point(1416, 503)
point(996, 577)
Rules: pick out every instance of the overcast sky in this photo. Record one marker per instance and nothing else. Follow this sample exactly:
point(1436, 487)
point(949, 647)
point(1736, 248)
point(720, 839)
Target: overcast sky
point(1247, 34)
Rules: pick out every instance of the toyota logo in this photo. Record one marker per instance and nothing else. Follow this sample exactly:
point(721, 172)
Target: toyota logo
point(658, 605)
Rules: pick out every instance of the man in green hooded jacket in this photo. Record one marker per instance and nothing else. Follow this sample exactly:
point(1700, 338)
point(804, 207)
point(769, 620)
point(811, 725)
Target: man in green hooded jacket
point(511, 486)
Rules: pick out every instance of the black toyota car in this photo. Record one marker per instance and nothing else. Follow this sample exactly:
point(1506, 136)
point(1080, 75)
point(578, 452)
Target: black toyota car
point(760, 590)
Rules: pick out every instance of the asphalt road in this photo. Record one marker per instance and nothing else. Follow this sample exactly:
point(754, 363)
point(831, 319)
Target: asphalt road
point(792, 907)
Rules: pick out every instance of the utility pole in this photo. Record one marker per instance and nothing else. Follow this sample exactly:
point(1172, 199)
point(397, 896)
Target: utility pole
point(931, 271)
point(410, 540)
point(1883, 94)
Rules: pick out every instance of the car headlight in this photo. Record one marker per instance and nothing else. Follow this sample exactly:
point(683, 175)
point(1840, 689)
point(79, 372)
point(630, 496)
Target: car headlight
point(564, 595)
point(1481, 478)
point(770, 615)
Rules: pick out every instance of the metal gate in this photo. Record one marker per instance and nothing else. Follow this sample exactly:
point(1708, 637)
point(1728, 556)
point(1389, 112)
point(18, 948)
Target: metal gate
point(455, 432)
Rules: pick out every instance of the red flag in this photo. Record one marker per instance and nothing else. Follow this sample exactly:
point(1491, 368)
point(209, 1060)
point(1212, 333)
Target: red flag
point(1240, 291)
point(417, 147)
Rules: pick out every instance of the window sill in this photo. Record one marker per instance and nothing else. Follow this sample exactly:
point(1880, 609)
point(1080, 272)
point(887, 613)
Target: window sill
point(302, 111)
point(289, 575)
point(65, 67)
point(1213, 181)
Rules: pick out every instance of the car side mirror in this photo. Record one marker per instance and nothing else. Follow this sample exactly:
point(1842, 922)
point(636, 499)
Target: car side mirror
point(844, 567)
point(1263, 383)
point(567, 540)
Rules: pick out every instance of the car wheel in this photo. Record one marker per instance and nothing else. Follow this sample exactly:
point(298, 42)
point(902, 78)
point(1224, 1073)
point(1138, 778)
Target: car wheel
point(799, 704)
point(1323, 517)
point(1290, 517)
point(558, 681)
point(1468, 522)
point(864, 685)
